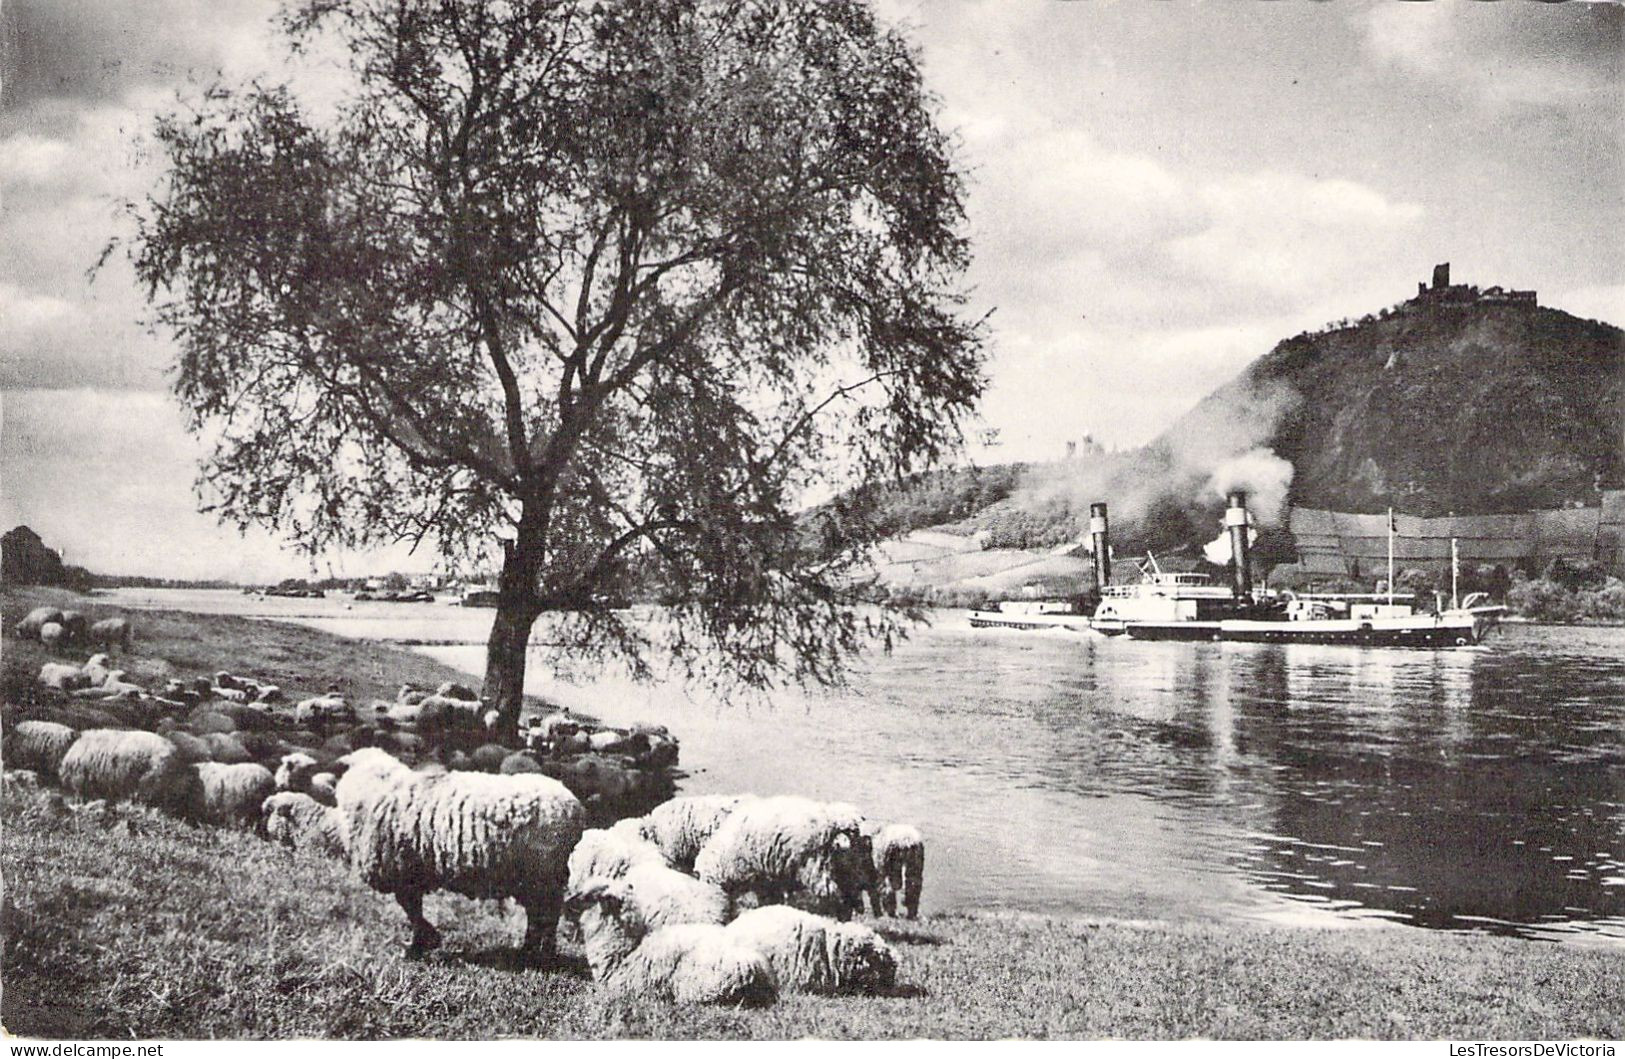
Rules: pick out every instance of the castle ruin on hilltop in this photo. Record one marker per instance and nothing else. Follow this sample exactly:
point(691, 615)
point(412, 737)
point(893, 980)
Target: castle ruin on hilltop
point(1443, 292)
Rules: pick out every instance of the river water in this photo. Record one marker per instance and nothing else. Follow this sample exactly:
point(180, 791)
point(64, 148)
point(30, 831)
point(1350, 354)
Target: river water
point(1469, 789)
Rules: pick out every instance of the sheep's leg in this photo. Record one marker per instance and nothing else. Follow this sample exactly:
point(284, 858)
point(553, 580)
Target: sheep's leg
point(888, 889)
point(542, 925)
point(424, 935)
point(913, 882)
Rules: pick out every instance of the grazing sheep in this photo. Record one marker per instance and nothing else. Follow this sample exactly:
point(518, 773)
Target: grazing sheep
point(480, 836)
point(789, 850)
point(118, 763)
point(294, 771)
point(111, 632)
point(230, 694)
point(37, 745)
point(299, 821)
point(62, 677)
point(462, 692)
point(811, 954)
point(52, 635)
point(898, 854)
point(691, 963)
point(35, 620)
point(682, 825)
point(75, 627)
point(232, 794)
point(518, 763)
point(488, 757)
point(227, 748)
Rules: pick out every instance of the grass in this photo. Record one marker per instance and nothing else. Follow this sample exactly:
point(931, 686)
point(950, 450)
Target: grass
point(129, 923)
point(168, 644)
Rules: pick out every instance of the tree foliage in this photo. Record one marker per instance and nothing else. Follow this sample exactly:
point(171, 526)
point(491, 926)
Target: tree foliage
point(613, 282)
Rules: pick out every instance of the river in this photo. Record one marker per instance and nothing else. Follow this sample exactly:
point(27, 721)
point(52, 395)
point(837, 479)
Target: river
point(1471, 789)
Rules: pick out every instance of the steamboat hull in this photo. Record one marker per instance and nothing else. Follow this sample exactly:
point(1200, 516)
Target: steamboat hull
point(1450, 631)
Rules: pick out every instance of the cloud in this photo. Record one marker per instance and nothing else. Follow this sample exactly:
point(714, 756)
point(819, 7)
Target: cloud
point(1504, 54)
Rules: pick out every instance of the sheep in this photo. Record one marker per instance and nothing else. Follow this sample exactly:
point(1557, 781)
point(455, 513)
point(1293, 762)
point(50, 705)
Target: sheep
point(192, 748)
point(227, 748)
point(294, 771)
point(608, 853)
point(95, 670)
point(231, 794)
point(898, 855)
point(35, 620)
point(690, 963)
point(788, 850)
point(52, 635)
point(682, 825)
point(120, 763)
point(299, 821)
point(459, 692)
point(111, 632)
point(329, 707)
point(62, 677)
point(478, 835)
point(811, 954)
point(37, 745)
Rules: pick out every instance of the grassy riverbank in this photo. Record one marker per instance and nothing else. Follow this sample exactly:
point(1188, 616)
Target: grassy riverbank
point(131, 923)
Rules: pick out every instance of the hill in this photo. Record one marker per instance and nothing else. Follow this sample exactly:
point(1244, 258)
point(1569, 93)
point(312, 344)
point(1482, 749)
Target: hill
point(1458, 400)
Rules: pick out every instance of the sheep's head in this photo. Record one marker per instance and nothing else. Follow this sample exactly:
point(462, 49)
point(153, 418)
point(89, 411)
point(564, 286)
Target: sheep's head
point(611, 924)
point(293, 772)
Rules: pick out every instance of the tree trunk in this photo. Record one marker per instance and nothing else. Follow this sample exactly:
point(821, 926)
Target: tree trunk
point(505, 652)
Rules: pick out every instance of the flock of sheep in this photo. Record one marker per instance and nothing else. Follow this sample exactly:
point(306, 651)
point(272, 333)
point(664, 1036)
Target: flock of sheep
point(703, 899)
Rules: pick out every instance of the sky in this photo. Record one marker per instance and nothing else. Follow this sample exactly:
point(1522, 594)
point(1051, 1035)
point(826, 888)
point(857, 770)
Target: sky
point(1158, 192)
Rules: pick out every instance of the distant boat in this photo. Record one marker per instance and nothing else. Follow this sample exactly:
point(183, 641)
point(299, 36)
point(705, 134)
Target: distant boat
point(1031, 614)
point(479, 597)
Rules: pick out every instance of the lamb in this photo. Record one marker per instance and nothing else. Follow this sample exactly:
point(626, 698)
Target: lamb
point(37, 745)
point(117, 763)
point(111, 632)
point(479, 835)
point(231, 794)
point(299, 821)
point(61, 677)
point(96, 671)
point(52, 635)
point(682, 825)
point(788, 850)
point(898, 855)
point(35, 620)
point(691, 963)
point(811, 954)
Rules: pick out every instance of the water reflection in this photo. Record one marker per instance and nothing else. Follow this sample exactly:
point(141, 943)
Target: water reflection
point(1478, 789)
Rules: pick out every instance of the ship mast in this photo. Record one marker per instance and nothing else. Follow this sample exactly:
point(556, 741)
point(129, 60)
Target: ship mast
point(1390, 557)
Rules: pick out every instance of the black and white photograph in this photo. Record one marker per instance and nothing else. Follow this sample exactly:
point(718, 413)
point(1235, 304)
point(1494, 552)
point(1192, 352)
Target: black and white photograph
point(854, 520)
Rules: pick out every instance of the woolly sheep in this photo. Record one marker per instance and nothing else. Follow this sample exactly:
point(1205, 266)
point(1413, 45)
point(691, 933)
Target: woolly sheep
point(52, 635)
point(608, 853)
point(517, 763)
point(35, 620)
point(123, 764)
point(299, 821)
point(462, 692)
point(226, 747)
point(232, 794)
point(811, 954)
point(682, 825)
point(788, 850)
point(478, 835)
point(294, 771)
point(61, 677)
point(208, 721)
point(327, 707)
point(898, 855)
point(192, 748)
point(111, 632)
point(37, 745)
point(691, 963)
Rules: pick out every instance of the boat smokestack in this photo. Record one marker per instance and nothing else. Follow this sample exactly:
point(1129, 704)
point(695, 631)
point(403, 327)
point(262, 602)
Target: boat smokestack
point(1235, 520)
point(1100, 536)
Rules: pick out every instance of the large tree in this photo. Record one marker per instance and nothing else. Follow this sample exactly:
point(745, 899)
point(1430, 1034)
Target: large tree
point(613, 284)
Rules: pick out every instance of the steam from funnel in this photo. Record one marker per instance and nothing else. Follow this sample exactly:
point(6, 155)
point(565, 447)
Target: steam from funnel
point(1236, 524)
point(1100, 545)
point(1261, 477)
point(1218, 551)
